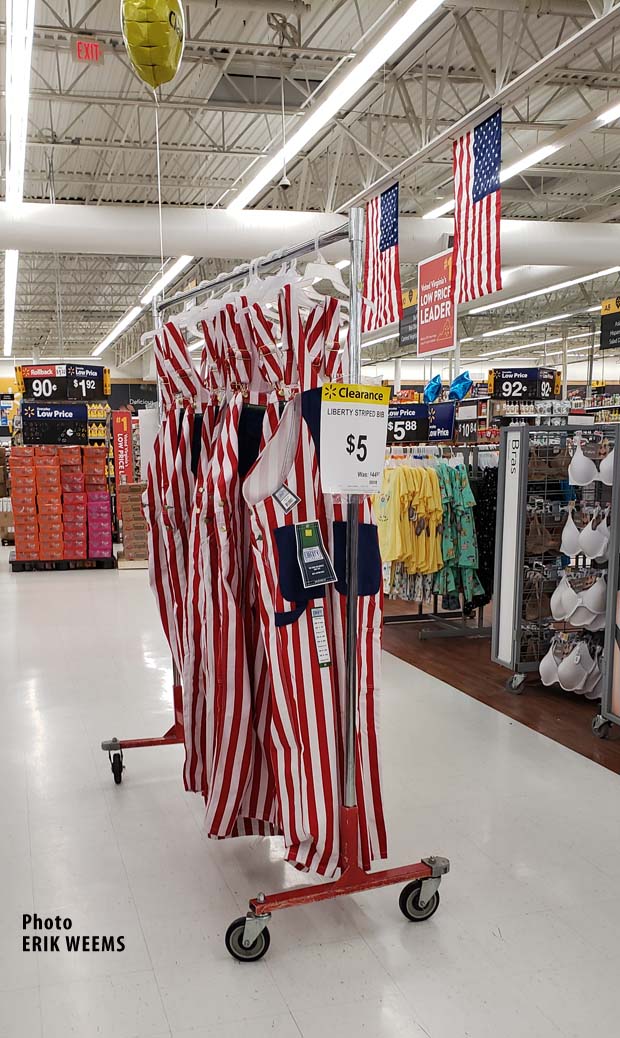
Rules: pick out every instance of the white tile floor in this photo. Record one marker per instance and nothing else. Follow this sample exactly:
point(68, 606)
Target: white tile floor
point(527, 939)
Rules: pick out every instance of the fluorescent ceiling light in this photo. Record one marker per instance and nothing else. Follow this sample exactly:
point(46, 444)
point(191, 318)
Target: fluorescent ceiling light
point(359, 74)
point(441, 210)
point(341, 264)
point(527, 161)
point(11, 263)
point(545, 291)
point(470, 338)
point(18, 53)
point(19, 34)
point(383, 338)
point(522, 327)
point(166, 279)
point(118, 329)
point(609, 116)
point(520, 349)
point(558, 353)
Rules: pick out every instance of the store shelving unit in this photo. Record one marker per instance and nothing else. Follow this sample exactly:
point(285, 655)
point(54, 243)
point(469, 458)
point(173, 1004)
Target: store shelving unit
point(516, 643)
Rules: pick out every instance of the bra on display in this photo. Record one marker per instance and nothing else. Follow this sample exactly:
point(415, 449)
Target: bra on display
point(592, 541)
point(578, 671)
point(582, 470)
point(586, 609)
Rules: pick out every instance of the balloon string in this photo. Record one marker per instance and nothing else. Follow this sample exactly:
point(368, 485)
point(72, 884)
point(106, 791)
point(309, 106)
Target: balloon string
point(159, 199)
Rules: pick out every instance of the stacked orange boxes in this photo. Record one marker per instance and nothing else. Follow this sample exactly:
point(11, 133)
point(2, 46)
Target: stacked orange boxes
point(135, 531)
point(73, 503)
point(24, 502)
point(49, 503)
point(50, 490)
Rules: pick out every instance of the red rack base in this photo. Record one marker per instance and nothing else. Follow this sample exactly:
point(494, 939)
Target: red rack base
point(353, 879)
point(175, 735)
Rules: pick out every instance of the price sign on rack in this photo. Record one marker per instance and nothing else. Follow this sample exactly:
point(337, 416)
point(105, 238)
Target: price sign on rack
point(517, 384)
point(43, 382)
point(85, 382)
point(407, 423)
point(50, 383)
point(420, 423)
point(353, 435)
point(62, 424)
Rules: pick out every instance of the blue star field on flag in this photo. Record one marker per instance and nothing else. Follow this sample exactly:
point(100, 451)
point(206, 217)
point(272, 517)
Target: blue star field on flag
point(487, 156)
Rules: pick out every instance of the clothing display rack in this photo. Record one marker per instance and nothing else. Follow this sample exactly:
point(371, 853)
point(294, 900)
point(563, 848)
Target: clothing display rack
point(247, 938)
point(175, 735)
point(542, 555)
point(436, 622)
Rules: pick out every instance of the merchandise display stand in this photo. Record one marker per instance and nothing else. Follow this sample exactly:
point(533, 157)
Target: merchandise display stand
point(523, 630)
point(247, 938)
point(436, 622)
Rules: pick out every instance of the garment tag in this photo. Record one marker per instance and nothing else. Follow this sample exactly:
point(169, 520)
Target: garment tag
point(314, 562)
point(320, 636)
point(286, 499)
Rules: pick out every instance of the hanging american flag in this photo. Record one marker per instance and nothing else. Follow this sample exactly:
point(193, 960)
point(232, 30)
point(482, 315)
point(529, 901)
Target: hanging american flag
point(382, 292)
point(476, 255)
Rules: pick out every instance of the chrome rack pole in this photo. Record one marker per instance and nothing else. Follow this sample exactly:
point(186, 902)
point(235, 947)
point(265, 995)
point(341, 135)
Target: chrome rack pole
point(356, 234)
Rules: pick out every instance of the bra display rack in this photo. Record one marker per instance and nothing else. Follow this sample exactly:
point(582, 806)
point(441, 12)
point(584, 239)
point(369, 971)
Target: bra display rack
point(556, 562)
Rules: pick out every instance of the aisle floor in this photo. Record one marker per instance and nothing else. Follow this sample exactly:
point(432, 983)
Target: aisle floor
point(526, 938)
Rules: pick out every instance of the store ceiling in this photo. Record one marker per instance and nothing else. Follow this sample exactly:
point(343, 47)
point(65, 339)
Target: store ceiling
point(92, 139)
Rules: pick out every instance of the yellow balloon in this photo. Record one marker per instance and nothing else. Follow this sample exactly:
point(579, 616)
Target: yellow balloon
point(154, 34)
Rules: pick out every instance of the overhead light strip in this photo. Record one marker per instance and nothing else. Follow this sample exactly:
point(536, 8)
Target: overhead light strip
point(18, 59)
point(150, 294)
point(166, 279)
point(118, 330)
point(359, 74)
point(545, 291)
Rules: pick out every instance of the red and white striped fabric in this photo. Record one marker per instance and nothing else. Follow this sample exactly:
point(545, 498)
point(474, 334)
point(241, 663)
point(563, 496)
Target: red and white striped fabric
point(308, 722)
point(229, 742)
point(306, 341)
point(153, 500)
point(170, 485)
point(194, 673)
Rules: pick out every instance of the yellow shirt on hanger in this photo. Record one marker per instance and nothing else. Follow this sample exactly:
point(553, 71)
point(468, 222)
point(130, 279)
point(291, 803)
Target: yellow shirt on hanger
point(390, 507)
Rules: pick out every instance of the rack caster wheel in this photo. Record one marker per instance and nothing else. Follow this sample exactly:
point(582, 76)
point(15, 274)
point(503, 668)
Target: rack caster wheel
point(600, 727)
point(515, 684)
point(409, 903)
point(116, 763)
point(235, 946)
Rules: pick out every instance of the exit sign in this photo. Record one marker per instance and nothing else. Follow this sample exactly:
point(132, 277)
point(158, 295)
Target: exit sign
point(87, 50)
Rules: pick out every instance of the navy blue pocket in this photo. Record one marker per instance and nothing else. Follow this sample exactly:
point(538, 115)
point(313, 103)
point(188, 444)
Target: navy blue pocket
point(368, 559)
point(289, 572)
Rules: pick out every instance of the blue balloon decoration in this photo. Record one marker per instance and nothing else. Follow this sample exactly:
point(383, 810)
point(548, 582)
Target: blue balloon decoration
point(432, 390)
point(460, 386)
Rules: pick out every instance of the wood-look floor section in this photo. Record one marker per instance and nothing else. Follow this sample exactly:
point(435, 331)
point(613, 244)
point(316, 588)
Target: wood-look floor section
point(466, 664)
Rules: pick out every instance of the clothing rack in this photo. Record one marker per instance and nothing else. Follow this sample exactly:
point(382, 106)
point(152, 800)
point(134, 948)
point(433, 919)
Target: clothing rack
point(449, 623)
point(247, 937)
point(115, 747)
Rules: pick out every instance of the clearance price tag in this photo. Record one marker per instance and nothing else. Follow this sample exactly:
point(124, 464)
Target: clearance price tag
point(353, 437)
